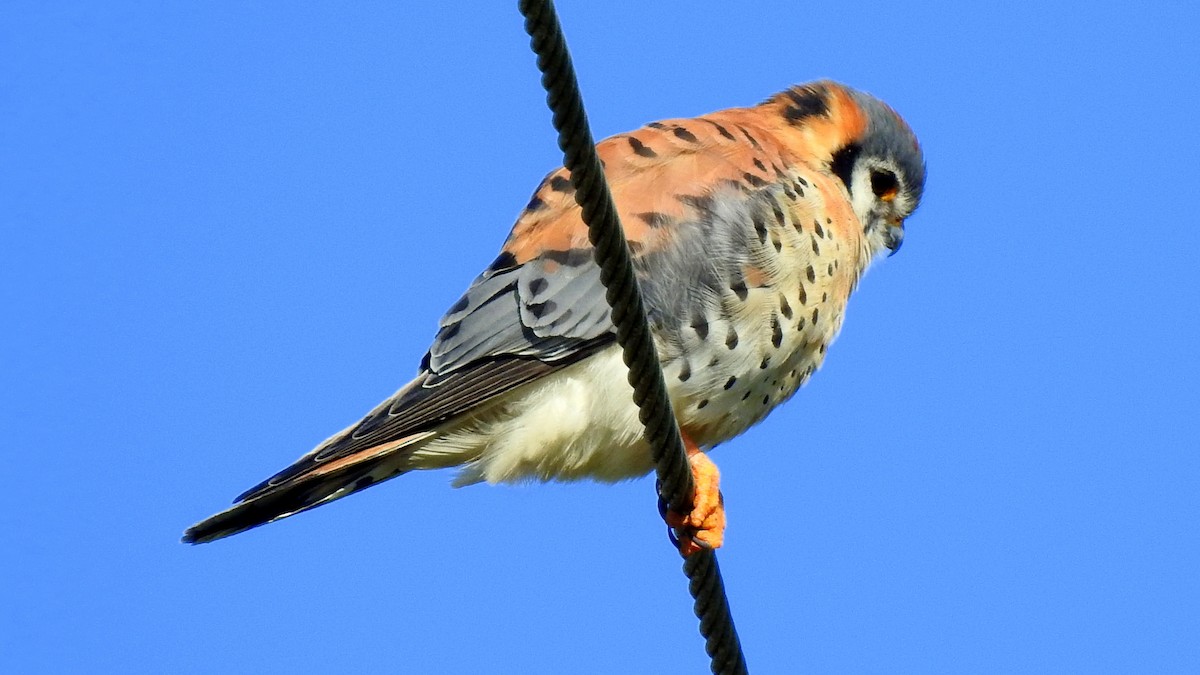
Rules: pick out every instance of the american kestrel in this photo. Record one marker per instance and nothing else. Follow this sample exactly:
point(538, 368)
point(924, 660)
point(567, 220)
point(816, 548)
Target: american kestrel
point(749, 228)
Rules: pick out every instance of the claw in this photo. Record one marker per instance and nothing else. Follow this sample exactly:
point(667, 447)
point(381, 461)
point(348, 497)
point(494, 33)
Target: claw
point(704, 527)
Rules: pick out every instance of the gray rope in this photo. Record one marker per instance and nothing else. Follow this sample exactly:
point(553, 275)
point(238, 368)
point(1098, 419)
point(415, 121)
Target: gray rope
point(629, 316)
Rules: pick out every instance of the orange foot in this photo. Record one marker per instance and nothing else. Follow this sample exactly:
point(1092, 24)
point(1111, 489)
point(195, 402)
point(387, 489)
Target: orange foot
point(704, 527)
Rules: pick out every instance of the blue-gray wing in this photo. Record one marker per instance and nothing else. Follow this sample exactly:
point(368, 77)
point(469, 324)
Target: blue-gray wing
point(546, 309)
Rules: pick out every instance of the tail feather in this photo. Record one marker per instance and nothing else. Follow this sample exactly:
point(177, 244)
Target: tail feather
point(320, 485)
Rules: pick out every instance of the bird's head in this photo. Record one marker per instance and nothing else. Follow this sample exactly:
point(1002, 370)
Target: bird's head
point(868, 147)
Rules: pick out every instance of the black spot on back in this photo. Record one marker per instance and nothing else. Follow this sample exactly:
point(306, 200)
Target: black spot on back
point(640, 149)
point(722, 130)
point(572, 257)
point(753, 180)
point(503, 261)
point(539, 309)
point(802, 104)
point(654, 218)
point(560, 184)
point(450, 331)
point(753, 141)
point(731, 338)
point(538, 285)
point(684, 134)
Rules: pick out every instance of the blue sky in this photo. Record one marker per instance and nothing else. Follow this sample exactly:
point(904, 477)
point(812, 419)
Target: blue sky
point(226, 231)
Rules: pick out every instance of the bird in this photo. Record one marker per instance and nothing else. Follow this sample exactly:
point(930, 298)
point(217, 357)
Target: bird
point(749, 228)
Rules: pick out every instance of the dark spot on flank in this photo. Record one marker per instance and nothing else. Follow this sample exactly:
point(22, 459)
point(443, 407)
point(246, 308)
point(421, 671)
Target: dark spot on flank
point(535, 204)
point(816, 313)
point(722, 130)
point(701, 404)
point(738, 286)
point(829, 221)
point(816, 248)
point(798, 188)
point(785, 307)
point(540, 309)
point(753, 180)
point(788, 192)
point(803, 295)
point(810, 273)
point(538, 285)
point(760, 227)
point(804, 103)
point(364, 482)
point(829, 270)
point(766, 399)
point(824, 297)
point(800, 324)
point(731, 338)
point(654, 218)
point(657, 125)
point(764, 363)
point(729, 383)
point(776, 332)
point(459, 306)
point(560, 184)
point(802, 181)
point(684, 134)
point(640, 149)
point(819, 230)
point(759, 163)
point(775, 241)
point(823, 347)
point(685, 371)
point(700, 325)
point(747, 394)
point(779, 217)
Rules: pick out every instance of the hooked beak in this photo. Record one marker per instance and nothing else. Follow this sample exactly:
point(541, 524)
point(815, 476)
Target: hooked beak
point(894, 237)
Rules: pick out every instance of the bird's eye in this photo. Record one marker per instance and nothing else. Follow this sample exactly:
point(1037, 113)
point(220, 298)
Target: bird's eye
point(884, 185)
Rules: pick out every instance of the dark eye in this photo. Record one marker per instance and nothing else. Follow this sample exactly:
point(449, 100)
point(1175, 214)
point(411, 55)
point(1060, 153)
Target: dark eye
point(884, 184)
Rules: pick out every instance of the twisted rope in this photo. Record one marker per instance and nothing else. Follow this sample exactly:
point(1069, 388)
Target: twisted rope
point(629, 316)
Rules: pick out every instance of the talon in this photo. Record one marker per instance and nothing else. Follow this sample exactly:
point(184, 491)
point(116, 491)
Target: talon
point(704, 527)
